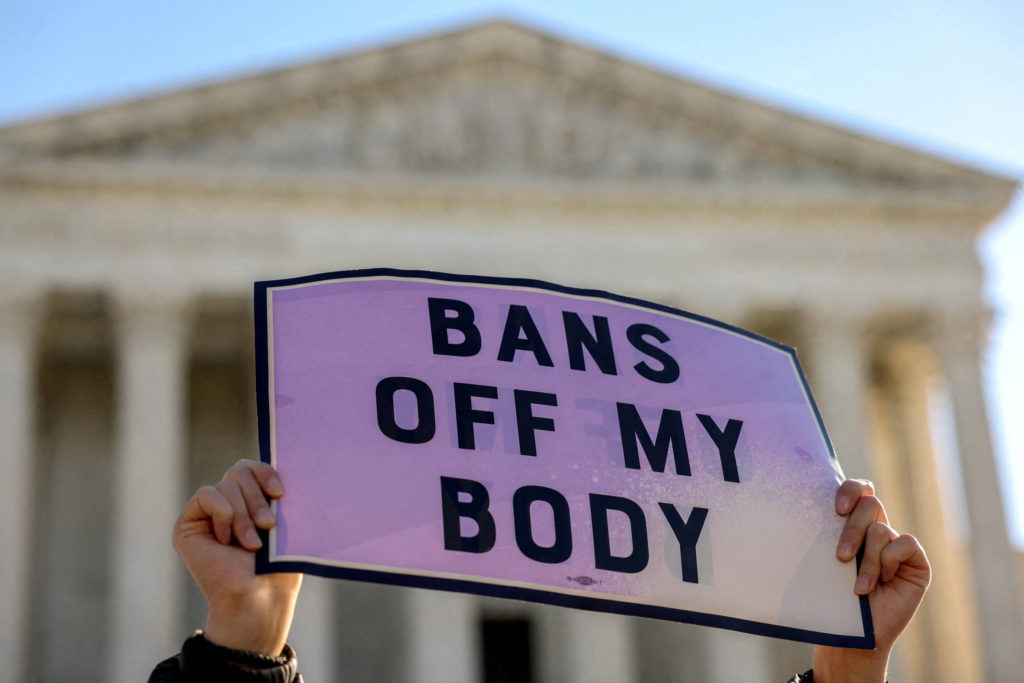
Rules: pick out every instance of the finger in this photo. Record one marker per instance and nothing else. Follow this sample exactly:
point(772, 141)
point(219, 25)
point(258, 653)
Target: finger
point(905, 549)
point(209, 503)
point(252, 493)
point(879, 536)
point(866, 511)
point(850, 492)
point(265, 475)
point(245, 531)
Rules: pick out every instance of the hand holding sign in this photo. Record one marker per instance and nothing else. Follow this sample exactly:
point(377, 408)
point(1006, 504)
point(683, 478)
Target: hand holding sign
point(894, 574)
point(216, 537)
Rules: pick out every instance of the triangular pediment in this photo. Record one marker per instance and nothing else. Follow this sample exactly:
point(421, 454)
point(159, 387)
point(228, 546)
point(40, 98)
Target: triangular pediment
point(497, 100)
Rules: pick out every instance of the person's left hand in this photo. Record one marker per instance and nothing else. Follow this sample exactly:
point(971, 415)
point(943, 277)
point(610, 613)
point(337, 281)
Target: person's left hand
point(894, 575)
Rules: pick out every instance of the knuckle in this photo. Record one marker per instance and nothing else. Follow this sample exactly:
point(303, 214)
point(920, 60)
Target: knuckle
point(878, 531)
point(253, 495)
point(223, 514)
point(871, 504)
point(241, 468)
point(910, 543)
point(244, 477)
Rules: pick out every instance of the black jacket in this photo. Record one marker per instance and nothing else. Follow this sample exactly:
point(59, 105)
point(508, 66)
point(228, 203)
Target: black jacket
point(200, 661)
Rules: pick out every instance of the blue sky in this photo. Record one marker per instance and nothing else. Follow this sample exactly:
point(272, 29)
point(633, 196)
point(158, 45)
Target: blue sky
point(943, 76)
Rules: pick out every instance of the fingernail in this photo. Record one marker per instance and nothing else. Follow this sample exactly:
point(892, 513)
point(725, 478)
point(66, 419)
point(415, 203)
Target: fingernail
point(843, 505)
point(275, 487)
point(846, 551)
point(253, 539)
point(265, 517)
point(863, 581)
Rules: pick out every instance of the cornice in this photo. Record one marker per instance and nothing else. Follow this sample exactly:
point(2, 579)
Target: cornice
point(971, 206)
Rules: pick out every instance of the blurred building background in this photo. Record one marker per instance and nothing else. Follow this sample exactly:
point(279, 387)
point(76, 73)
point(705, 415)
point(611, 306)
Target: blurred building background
point(131, 234)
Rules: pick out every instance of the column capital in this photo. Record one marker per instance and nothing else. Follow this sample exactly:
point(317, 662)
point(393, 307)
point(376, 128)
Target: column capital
point(960, 331)
point(731, 310)
point(21, 311)
point(152, 313)
point(844, 332)
point(845, 317)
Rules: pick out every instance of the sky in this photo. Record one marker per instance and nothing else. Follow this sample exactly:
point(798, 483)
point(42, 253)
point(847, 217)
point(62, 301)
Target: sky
point(942, 76)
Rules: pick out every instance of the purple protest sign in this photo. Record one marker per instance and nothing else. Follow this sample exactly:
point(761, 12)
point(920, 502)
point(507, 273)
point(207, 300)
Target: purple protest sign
point(574, 447)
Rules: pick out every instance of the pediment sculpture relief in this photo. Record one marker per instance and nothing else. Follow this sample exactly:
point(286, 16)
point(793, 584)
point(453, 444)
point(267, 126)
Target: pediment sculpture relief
point(497, 118)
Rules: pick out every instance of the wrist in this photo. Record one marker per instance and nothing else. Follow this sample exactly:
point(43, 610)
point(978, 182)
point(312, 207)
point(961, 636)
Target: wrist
point(842, 665)
point(256, 622)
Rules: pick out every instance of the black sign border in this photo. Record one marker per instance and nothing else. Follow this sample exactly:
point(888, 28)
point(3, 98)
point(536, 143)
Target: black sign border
point(265, 565)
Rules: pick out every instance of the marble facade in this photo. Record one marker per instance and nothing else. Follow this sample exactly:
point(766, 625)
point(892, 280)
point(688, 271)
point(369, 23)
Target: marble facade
point(131, 235)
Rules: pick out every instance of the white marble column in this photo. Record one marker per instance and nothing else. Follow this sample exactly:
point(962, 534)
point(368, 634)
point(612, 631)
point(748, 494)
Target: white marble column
point(598, 648)
point(839, 370)
point(913, 495)
point(443, 637)
point(993, 561)
point(149, 481)
point(313, 631)
point(19, 325)
point(733, 656)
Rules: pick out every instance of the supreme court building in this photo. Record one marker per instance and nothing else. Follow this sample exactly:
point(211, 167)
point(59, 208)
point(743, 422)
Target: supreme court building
point(130, 236)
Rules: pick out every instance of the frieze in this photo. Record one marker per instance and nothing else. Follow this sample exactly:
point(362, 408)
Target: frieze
point(498, 118)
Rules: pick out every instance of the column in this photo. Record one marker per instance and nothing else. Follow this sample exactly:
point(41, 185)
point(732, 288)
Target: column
point(443, 637)
point(946, 615)
point(19, 326)
point(993, 560)
point(149, 482)
point(733, 656)
point(598, 648)
point(313, 633)
point(669, 652)
point(839, 371)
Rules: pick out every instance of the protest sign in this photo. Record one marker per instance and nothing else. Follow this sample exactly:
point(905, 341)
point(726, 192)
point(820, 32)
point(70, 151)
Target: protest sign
point(574, 447)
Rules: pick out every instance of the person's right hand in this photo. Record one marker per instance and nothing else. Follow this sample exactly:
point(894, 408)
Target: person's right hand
point(216, 537)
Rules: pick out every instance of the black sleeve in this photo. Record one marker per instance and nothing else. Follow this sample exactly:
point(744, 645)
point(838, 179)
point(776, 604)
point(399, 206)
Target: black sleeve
point(167, 671)
point(805, 677)
point(200, 661)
